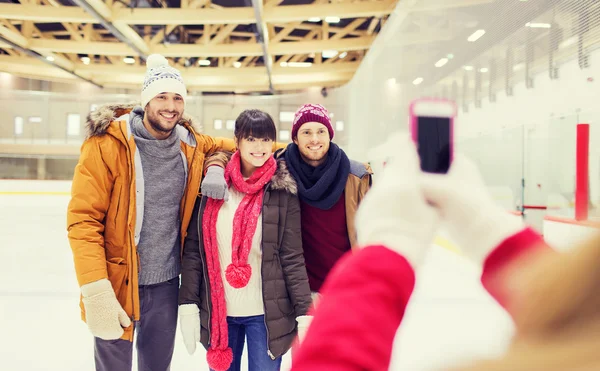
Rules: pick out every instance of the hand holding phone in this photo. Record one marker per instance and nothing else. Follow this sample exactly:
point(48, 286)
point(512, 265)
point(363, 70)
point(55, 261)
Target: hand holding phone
point(432, 129)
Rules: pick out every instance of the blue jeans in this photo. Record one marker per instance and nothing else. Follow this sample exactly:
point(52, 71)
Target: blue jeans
point(253, 328)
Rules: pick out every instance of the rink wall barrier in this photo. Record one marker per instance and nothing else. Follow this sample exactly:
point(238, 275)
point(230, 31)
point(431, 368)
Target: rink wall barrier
point(18, 187)
point(564, 233)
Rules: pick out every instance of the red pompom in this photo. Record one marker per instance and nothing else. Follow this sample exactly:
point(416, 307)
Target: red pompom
point(219, 359)
point(238, 277)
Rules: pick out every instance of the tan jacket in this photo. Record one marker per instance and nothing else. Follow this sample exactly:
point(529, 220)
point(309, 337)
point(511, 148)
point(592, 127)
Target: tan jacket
point(359, 182)
point(104, 216)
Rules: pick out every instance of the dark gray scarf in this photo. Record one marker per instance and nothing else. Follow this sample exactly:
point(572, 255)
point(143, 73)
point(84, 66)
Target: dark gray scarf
point(323, 185)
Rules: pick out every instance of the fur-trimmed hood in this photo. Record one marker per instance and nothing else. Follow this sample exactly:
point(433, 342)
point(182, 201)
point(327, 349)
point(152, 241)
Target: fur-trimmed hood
point(283, 180)
point(98, 121)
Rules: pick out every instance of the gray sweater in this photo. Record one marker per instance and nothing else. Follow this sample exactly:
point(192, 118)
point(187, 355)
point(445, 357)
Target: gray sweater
point(164, 184)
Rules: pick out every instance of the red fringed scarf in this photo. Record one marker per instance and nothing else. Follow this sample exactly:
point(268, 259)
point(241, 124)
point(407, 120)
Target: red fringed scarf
point(238, 273)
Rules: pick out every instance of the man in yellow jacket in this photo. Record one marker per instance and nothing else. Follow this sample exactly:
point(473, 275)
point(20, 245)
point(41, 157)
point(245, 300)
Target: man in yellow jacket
point(133, 193)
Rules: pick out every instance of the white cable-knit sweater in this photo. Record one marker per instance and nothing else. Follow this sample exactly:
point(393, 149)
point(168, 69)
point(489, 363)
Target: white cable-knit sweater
point(247, 301)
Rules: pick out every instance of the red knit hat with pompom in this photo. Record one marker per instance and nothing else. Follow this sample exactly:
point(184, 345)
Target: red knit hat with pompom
point(311, 113)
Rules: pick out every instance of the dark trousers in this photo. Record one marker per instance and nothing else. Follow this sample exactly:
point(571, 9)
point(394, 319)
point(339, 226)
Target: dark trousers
point(254, 330)
point(154, 333)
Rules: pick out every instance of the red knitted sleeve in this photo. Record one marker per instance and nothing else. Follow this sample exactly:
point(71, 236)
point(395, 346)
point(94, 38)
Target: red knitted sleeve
point(363, 303)
point(508, 252)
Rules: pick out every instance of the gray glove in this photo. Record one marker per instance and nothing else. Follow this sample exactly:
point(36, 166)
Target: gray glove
point(214, 184)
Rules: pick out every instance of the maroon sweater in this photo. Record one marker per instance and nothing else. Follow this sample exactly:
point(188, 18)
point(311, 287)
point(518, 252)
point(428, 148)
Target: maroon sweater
point(324, 239)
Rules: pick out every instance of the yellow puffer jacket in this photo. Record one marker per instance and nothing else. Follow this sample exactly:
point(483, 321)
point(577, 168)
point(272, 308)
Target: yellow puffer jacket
point(104, 217)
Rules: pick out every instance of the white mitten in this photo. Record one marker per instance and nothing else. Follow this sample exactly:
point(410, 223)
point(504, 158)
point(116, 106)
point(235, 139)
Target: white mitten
point(394, 212)
point(303, 323)
point(189, 324)
point(472, 218)
point(103, 314)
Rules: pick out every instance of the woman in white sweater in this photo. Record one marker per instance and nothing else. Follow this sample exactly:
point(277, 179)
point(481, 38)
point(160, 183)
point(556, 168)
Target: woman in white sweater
point(243, 274)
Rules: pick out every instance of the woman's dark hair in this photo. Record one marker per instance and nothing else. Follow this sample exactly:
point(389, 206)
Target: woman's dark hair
point(254, 123)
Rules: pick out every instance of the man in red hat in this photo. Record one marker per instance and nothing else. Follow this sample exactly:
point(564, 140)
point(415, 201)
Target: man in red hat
point(330, 187)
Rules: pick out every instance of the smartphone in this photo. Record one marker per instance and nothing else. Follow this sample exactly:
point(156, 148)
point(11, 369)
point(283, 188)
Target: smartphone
point(432, 129)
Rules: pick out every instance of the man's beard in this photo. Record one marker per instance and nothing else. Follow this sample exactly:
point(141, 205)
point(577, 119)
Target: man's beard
point(154, 121)
point(308, 156)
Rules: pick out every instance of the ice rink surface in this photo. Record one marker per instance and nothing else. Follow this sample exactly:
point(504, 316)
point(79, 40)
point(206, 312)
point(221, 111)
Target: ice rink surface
point(450, 319)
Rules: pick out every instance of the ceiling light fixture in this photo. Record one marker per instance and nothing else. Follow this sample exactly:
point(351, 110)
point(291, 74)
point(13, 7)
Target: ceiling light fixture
point(418, 80)
point(329, 53)
point(300, 64)
point(538, 25)
point(204, 62)
point(442, 62)
point(476, 35)
point(296, 64)
point(331, 19)
point(129, 60)
point(568, 42)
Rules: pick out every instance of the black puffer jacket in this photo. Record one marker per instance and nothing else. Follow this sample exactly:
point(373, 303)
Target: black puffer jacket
point(286, 293)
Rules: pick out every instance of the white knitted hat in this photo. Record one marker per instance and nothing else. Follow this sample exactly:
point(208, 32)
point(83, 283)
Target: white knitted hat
point(161, 78)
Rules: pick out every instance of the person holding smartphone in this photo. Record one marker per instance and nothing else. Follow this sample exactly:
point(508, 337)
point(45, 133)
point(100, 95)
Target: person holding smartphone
point(366, 294)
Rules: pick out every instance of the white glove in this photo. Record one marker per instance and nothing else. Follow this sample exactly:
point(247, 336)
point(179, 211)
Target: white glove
point(189, 324)
point(394, 212)
point(470, 215)
point(103, 314)
point(303, 323)
point(214, 184)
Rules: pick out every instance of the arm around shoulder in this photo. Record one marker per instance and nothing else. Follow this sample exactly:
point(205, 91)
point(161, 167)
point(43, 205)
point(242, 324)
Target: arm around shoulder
point(209, 145)
point(219, 158)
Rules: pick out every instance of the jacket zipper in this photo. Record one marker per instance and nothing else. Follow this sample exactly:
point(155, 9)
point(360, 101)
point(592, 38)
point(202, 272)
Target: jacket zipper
point(131, 238)
point(187, 184)
point(132, 290)
point(204, 266)
point(267, 328)
point(263, 288)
